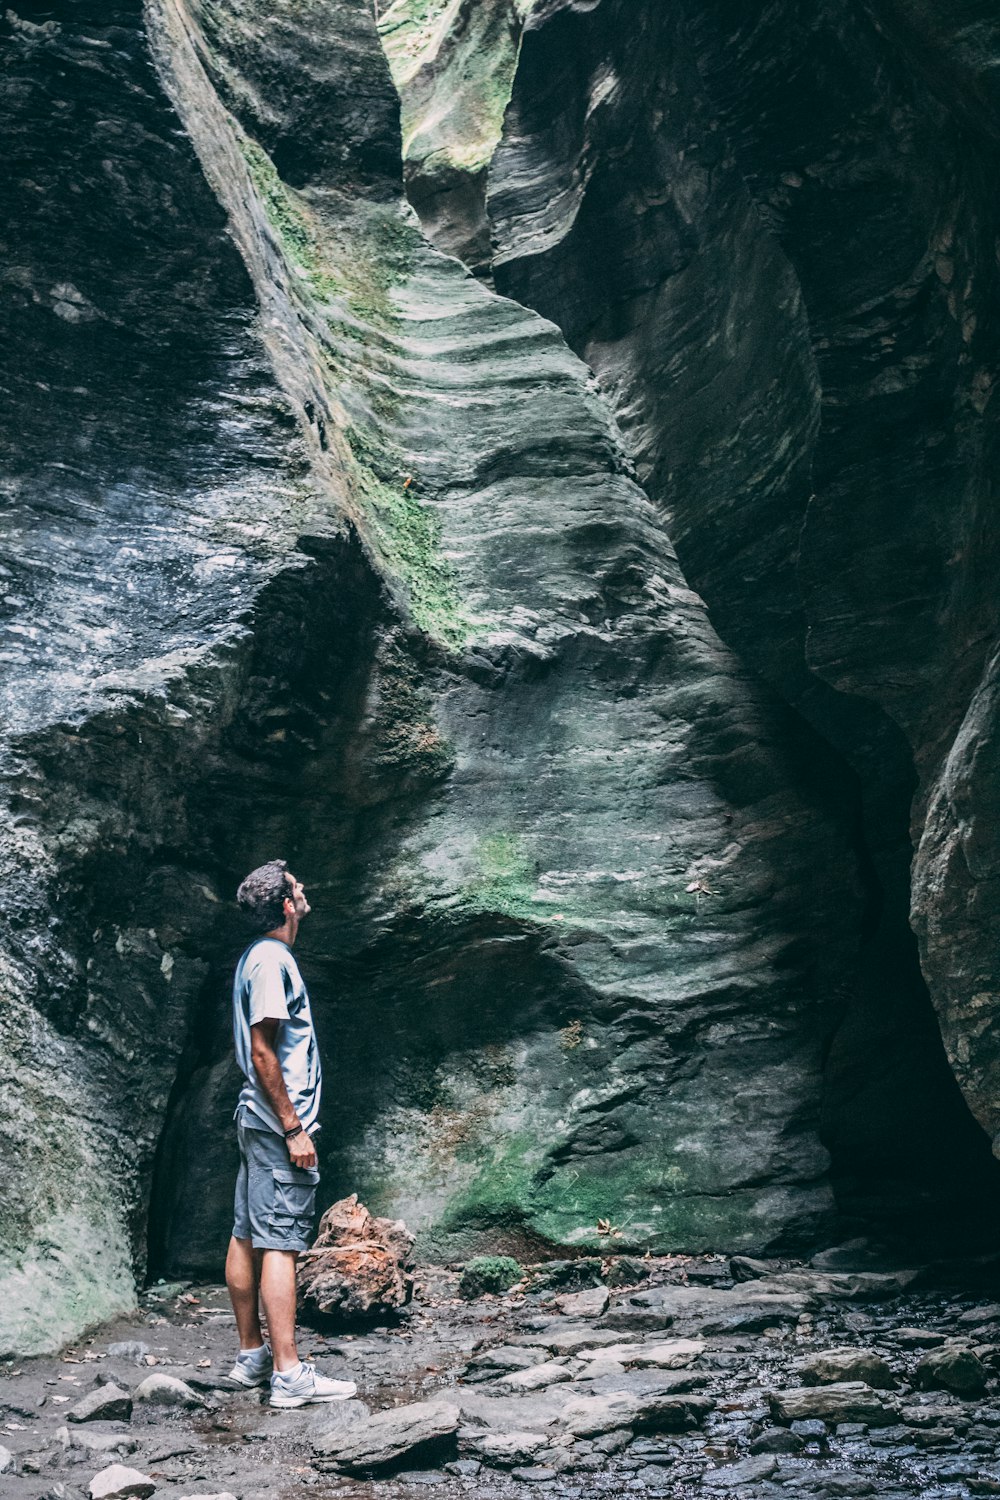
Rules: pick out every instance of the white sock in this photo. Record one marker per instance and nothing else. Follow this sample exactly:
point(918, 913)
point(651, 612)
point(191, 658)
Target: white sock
point(255, 1353)
point(291, 1374)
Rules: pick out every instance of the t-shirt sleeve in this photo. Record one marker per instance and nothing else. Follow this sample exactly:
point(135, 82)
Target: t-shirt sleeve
point(266, 981)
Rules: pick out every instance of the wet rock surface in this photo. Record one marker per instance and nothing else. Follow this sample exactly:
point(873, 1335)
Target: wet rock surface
point(743, 1425)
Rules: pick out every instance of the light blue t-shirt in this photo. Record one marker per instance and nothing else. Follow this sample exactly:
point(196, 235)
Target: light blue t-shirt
point(268, 986)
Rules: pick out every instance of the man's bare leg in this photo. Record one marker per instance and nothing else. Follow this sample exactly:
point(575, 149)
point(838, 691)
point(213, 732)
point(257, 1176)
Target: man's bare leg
point(277, 1292)
point(243, 1280)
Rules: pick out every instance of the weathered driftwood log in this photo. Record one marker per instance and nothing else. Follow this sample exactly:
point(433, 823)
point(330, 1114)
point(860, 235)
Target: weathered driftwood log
point(359, 1265)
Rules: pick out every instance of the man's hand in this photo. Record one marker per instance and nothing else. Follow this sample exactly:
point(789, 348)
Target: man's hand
point(301, 1151)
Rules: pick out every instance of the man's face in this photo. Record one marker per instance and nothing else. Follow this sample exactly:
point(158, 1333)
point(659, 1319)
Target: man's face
point(297, 896)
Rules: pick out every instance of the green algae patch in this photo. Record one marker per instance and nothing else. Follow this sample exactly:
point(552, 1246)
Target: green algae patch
point(407, 533)
point(504, 881)
point(356, 274)
point(454, 67)
point(293, 223)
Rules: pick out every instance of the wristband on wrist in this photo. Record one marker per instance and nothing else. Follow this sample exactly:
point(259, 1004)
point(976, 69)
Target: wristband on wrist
point(295, 1130)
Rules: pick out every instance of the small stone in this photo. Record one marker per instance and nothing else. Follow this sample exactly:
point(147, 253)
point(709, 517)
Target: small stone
point(976, 1315)
point(951, 1369)
point(830, 1365)
point(117, 1483)
point(101, 1442)
point(107, 1403)
point(809, 1430)
point(221, 1495)
point(836, 1483)
point(505, 1448)
point(130, 1349)
point(846, 1401)
point(916, 1338)
point(534, 1475)
point(167, 1390)
point(8, 1463)
point(535, 1378)
point(779, 1440)
point(588, 1304)
point(464, 1468)
point(747, 1471)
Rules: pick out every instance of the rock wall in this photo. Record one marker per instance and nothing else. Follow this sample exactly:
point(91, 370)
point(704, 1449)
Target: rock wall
point(318, 546)
point(776, 248)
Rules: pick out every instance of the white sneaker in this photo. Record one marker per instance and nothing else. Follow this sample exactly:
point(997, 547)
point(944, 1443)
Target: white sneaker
point(303, 1386)
point(253, 1366)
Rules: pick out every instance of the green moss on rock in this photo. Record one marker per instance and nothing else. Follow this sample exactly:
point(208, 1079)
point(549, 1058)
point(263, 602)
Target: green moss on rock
point(489, 1274)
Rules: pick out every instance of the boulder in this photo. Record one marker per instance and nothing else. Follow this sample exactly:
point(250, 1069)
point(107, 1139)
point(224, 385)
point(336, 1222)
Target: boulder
point(359, 1266)
point(105, 1403)
point(831, 1366)
point(846, 1401)
point(951, 1368)
point(167, 1390)
point(388, 1438)
point(117, 1482)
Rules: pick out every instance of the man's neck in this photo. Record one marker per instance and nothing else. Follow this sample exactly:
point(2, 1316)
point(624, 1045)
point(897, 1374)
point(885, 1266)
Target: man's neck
point(286, 933)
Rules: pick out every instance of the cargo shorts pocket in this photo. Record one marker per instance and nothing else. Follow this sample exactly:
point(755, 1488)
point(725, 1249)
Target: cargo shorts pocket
point(293, 1206)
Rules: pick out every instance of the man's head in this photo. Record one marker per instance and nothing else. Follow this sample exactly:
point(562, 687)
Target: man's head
point(271, 896)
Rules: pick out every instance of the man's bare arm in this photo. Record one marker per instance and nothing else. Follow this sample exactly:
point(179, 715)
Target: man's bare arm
point(301, 1151)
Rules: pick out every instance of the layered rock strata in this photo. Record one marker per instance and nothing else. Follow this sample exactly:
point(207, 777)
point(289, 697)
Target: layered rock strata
point(774, 245)
point(328, 550)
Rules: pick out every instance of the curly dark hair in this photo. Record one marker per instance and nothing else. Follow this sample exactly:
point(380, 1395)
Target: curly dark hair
point(262, 895)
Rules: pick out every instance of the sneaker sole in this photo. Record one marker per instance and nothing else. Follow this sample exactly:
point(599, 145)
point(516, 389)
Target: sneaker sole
point(264, 1379)
point(287, 1402)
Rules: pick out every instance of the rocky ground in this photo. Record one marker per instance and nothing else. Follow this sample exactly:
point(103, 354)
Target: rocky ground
point(670, 1377)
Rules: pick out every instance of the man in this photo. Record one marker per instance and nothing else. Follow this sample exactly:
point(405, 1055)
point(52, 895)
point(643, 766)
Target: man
point(276, 1117)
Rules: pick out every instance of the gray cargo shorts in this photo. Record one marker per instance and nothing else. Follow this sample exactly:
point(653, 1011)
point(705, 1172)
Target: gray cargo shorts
point(275, 1202)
